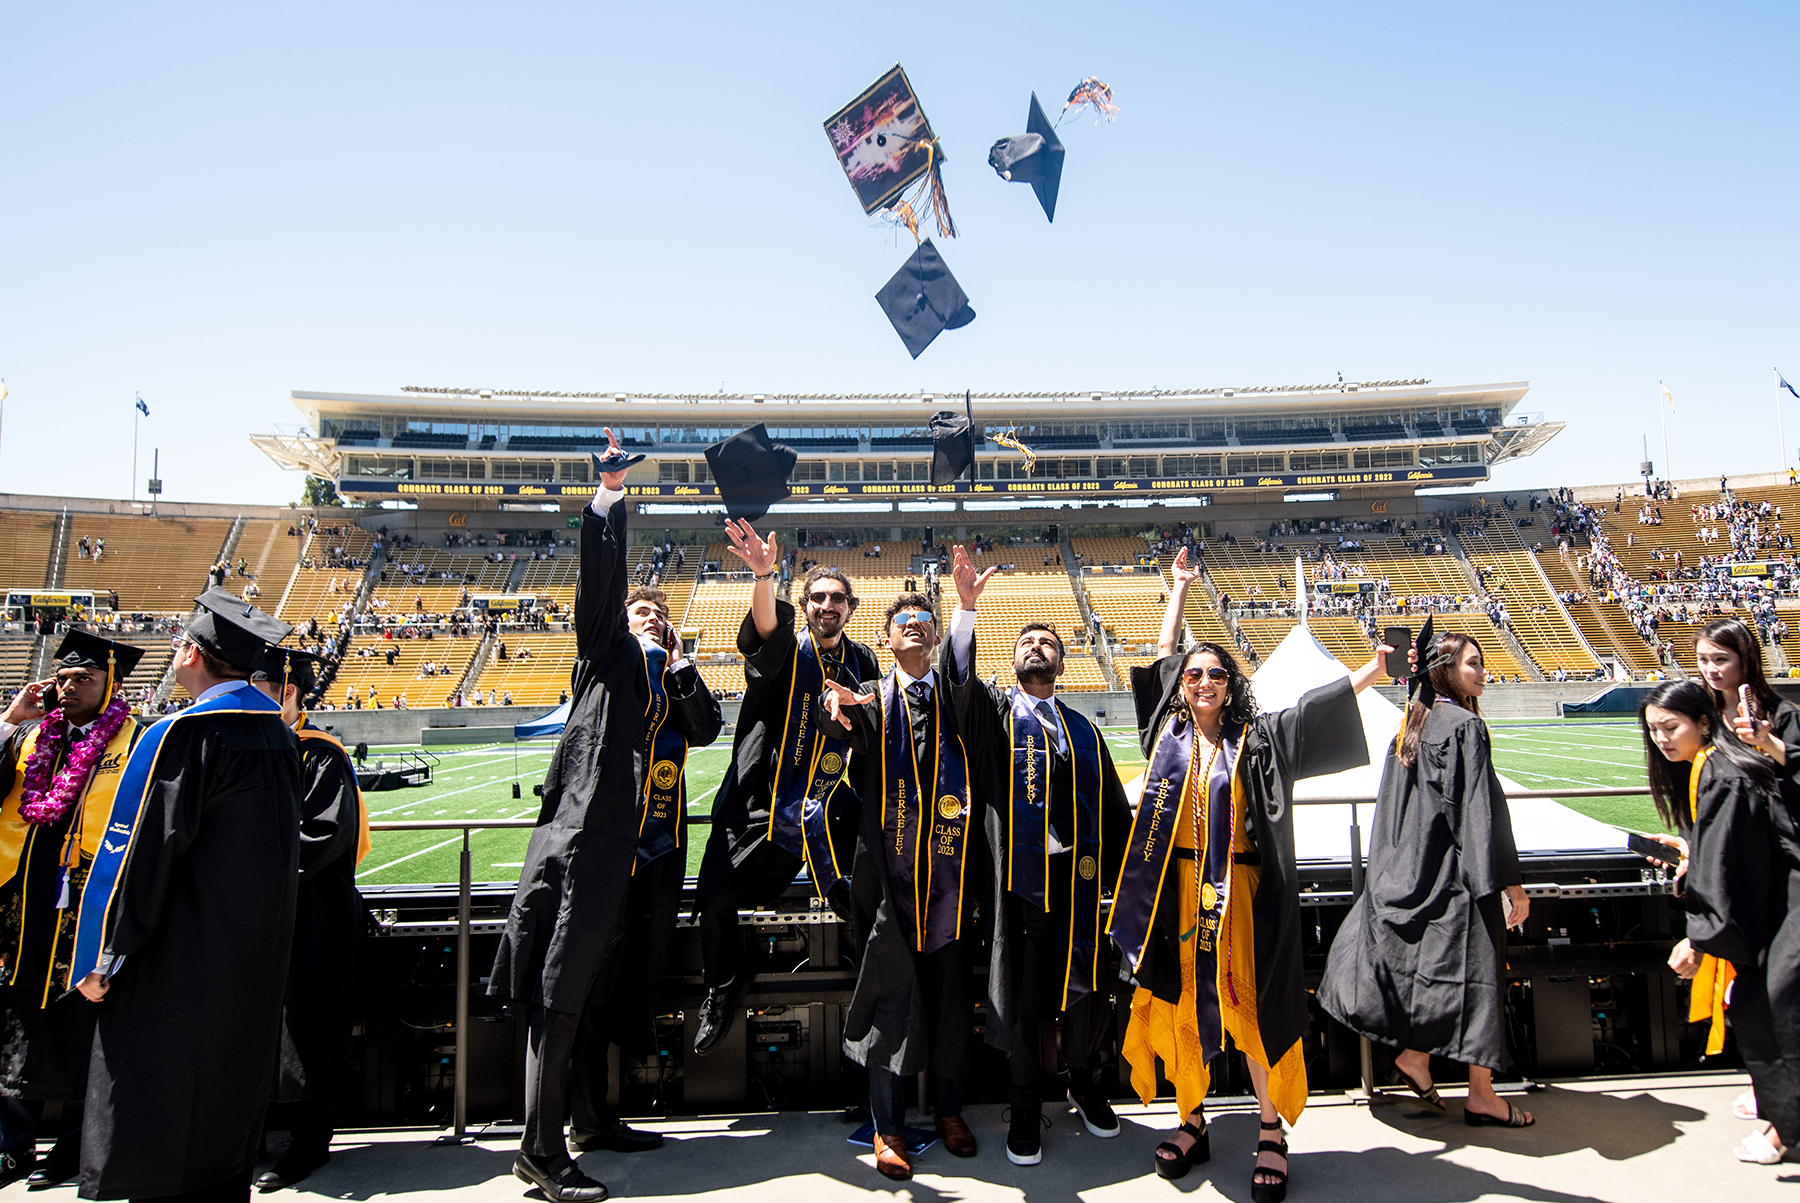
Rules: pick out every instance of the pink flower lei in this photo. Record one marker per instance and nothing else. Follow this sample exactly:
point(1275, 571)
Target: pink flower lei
point(44, 800)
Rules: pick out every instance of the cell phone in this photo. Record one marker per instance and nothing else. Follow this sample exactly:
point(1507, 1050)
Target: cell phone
point(1400, 639)
point(48, 697)
point(1746, 703)
point(1655, 850)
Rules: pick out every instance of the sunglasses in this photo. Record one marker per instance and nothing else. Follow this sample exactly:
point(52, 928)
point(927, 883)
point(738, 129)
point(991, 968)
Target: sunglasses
point(1193, 676)
point(908, 617)
point(828, 599)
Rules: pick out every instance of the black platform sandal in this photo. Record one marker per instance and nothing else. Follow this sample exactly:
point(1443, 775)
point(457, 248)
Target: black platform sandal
point(1429, 1094)
point(1269, 1192)
point(1197, 1153)
point(1515, 1118)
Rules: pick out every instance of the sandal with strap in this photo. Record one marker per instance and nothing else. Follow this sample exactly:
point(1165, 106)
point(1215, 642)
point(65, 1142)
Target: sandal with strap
point(1758, 1149)
point(1429, 1094)
point(1177, 1165)
point(1276, 1191)
point(1515, 1118)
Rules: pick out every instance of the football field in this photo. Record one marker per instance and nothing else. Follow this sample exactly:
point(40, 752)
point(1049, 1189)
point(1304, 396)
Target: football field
point(476, 783)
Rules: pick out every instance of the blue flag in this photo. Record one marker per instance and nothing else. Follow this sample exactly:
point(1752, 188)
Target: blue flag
point(1784, 384)
point(142, 408)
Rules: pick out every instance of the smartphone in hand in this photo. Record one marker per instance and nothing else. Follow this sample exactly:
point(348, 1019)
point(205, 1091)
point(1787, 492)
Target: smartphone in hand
point(1400, 639)
point(1656, 850)
point(1747, 704)
point(48, 698)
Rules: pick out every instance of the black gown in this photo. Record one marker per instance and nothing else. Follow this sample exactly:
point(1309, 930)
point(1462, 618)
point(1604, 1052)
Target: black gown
point(1418, 961)
point(186, 1045)
point(1743, 906)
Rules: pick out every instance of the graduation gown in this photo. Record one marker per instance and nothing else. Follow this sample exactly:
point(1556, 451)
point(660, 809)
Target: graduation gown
point(1321, 733)
point(329, 921)
point(202, 914)
point(983, 714)
point(1417, 963)
point(1743, 905)
point(568, 909)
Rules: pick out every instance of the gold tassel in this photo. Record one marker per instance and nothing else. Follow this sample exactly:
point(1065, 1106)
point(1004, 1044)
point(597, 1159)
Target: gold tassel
point(1009, 438)
point(926, 196)
point(1091, 93)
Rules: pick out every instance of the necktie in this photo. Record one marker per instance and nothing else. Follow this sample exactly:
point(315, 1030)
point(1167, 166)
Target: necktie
point(1046, 712)
point(921, 712)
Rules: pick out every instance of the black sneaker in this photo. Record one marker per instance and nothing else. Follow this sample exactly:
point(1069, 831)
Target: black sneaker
point(1096, 1113)
point(716, 1014)
point(1025, 1132)
point(16, 1164)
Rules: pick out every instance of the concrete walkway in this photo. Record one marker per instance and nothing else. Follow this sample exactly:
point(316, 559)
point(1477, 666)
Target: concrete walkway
point(1633, 1141)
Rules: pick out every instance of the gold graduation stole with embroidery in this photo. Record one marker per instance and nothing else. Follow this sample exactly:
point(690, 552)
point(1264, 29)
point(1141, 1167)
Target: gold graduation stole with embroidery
point(924, 820)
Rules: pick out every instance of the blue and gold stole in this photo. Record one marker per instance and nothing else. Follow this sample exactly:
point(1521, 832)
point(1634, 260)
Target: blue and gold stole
point(926, 870)
point(1028, 833)
point(1176, 778)
point(108, 865)
point(665, 758)
point(809, 769)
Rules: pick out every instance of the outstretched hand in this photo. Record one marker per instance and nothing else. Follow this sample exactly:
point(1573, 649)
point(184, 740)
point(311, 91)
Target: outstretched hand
point(612, 480)
point(748, 546)
point(1179, 570)
point(969, 583)
point(837, 697)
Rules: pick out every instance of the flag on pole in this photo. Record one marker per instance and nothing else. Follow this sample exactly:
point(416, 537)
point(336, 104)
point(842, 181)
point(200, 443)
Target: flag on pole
point(1778, 376)
point(1666, 396)
point(142, 408)
point(3, 389)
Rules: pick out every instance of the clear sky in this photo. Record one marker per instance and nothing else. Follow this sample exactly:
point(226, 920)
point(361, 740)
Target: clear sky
point(212, 205)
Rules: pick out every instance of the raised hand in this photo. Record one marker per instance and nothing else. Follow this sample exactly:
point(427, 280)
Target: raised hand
point(27, 704)
point(612, 480)
point(969, 583)
point(837, 697)
point(1179, 570)
point(746, 545)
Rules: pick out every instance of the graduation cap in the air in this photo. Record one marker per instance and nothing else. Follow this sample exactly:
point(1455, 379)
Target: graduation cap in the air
point(923, 300)
point(953, 439)
point(1034, 157)
point(288, 666)
point(234, 630)
point(751, 471)
point(615, 460)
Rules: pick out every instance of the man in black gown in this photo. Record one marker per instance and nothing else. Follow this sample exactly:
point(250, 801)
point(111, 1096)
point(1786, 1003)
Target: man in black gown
point(1058, 818)
point(49, 1031)
point(610, 811)
point(776, 813)
point(328, 925)
point(187, 915)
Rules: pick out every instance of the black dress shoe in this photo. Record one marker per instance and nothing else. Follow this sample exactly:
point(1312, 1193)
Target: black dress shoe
point(16, 1164)
point(62, 1163)
point(293, 1166)
point(567, 1185)
point(619, 1138)
point(716, 1013)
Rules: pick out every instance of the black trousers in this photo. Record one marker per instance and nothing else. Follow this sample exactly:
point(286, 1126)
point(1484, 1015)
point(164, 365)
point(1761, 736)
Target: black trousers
point(1775, 1077)
point(1042, 942)
point(945, 985)
point(724, 889)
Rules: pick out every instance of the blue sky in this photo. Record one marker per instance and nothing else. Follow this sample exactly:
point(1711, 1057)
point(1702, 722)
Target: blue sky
point(212, 205)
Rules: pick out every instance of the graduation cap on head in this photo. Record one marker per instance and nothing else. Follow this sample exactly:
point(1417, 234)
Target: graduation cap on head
point(751, 471)
point(234, 630)
point(1034, 157)
point(288, 666)
point(923, 300)
point(82, 650)
point(953, 439)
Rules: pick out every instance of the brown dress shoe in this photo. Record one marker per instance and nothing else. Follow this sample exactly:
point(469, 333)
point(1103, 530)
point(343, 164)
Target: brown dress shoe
point(890, 1158)
point(954, 1131)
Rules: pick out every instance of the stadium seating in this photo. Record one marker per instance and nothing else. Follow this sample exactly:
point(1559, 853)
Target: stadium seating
point(437, 587)
point(360, 672)
point(25, 543)
point(539, 679)
point(1494, 651)
point(1605, 625)
point(310, 595)
point(16, 661)
point(157, 565)
point(1537, 618)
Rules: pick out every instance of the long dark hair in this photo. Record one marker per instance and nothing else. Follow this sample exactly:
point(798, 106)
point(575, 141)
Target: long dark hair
point(1733, 634)
point(1445, 655)
point(1240, 703)
point(1669, 779)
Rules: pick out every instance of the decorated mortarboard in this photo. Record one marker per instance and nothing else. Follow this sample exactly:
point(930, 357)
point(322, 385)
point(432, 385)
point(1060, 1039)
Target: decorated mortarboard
point(751, 471)
point(286, 665)
point(1034, 157)
point(82, 650)
point(953, 439)
point(889, 154)
point(923, 300)
point(234, 630)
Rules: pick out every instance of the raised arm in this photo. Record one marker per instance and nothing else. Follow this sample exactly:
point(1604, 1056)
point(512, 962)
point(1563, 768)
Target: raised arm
point(975, 703)
point(1170, 639)
point(761, 558)
point(600, 589)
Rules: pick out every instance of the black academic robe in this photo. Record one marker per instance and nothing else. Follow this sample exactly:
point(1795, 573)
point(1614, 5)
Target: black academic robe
point(1417, 964)
point(569, 909)
point(1321, 733)
point(983, 714)
point(185, 1048)
point(740, 812)
point(1743, 905)
point(329, 921)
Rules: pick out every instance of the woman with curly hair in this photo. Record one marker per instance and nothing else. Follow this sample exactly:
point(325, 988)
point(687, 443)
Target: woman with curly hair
point(1207, 906)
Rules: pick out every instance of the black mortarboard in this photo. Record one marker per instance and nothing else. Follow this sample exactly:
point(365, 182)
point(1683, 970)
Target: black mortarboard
point(1034, 157)
point(82, 650)
point(1424, 649)
point(234, 630)
point(288, 666)
point(953, 438)
point(751, 471)
point(923, 300)
point(616, 461)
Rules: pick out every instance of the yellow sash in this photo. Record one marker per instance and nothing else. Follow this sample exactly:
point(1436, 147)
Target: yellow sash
point(364, 841)
point(96, 800)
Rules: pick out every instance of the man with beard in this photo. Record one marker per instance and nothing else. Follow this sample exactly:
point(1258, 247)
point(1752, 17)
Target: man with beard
point(1059, 821)
point(784, 802)
point(50, 828)
point(613, 803)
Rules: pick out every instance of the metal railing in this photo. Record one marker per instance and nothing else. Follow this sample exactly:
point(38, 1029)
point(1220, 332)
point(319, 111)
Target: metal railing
point(465, 886)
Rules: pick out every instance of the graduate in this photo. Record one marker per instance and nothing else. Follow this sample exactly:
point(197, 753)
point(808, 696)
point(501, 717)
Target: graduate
point(1058, 820)
point(912, 1006)
point(787, 801)
point(186, 919)
point(1207, 906)
point(608, 835)
point(329, 920)
point(1741, 875)
point(1417, 964)
point(59, 771)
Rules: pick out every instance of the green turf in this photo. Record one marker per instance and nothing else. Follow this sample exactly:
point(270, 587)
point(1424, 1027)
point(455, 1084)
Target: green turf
point(476, 783)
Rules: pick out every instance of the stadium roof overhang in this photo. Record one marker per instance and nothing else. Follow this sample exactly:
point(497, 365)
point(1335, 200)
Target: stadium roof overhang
point(299, 452)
